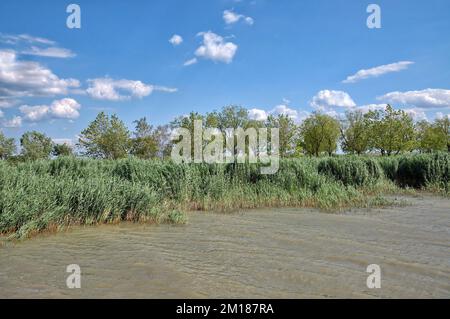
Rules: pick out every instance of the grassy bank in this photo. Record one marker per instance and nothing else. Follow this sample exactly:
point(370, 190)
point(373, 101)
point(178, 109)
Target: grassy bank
point(51, 194)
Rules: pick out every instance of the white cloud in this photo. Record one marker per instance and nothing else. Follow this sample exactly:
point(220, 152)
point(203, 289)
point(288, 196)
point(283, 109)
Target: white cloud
point(64, 109)
point(110, 89)
point(377, 71)
point(370, 107)
point(428, 98)
point(53, 52)
point(24, 78)
point(7, 103)
point(261, 115)
point(416, 114)
point(231, 17)
point(34, 113)
point(249, 20)
point(1, 113)
point(190, 62)
point(257, 114)
point(215, 48)
point(176, 40)
point(15, 122)
point(14, 39)
point(164, 89)
point(30, 45)
point(440, 115)
point(326, 99)
point(285, 110)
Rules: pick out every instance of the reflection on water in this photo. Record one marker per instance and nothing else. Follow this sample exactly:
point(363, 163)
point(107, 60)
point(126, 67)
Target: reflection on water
point(282, 253)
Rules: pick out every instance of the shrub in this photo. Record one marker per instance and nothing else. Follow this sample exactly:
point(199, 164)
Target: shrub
point(423, 169)
point(389, 166)
point(348, 170)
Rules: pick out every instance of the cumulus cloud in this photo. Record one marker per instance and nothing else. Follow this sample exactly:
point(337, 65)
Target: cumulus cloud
point(257, 114)
point(326, 99)
point(63, 109)
point(15, 122)
point(261, 115)
point(377, 71)
point(117, 90)
point(7, 103)
point(428, 98)
point(190, 62)
point(416, 114)
point(231, 17)
point(215, 48)
point(369, 107)
point(285, 110)
point(26, 79)
point(176, 40)
point(52, 52)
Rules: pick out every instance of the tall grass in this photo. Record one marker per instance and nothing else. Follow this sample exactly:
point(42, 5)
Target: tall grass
point(351, 170)
point(50, 194)
point(430, 171)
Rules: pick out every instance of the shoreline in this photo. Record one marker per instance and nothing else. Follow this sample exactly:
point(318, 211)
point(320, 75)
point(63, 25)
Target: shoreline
point(265, 253)
point(393, 200)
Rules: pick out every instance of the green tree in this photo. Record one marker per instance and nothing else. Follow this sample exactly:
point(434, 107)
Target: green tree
point(391, 131)
point(105, 137)
point(320, 133)
point(187, 122)
point(144, 143)
point(288, 133)
point(355, 133)
point(430, 137)
point(444, 126)
point(35, 145)
point(7, 147)
point(62, 150)
point(163, 139)
point(231, 118)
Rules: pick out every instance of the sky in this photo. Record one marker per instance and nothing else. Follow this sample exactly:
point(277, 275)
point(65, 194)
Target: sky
point(165, 58)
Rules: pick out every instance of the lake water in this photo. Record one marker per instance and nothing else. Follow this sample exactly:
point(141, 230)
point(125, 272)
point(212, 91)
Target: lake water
point(276, 253)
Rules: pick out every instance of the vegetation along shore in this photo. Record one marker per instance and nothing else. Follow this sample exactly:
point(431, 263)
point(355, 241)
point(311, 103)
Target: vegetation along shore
point(114, 175)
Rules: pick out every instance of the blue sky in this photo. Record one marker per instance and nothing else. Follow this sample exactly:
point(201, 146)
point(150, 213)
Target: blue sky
point(269, 56)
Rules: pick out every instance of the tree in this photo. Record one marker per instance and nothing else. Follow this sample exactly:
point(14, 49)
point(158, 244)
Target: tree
point(232, 116)
point(391, 131)
point(444, 126)
point(188, 122)
point(62, 150)
point(320, 133)
point(430, 137)
point(7, 147)
point(354, 133)
point(163, 139)
point(105, 138)
point(288, 133)
point(228, 121)
point(331, 131)
point(35, 145)
point(144, 143)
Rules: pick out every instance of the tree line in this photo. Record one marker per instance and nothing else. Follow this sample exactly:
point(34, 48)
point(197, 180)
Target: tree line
point(386, 132)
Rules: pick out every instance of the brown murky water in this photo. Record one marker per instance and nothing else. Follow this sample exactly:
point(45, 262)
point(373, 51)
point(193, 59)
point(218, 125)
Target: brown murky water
point(282, 253)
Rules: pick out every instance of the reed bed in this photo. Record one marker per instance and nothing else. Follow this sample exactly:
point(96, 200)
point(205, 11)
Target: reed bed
point(52, 194)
